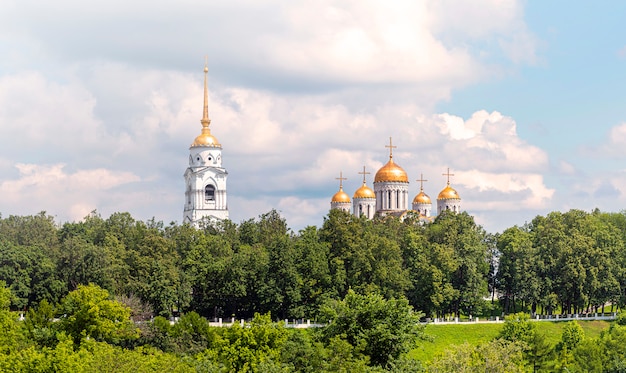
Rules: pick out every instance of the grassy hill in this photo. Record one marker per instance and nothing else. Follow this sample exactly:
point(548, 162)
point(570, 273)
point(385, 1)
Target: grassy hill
point(443, 337)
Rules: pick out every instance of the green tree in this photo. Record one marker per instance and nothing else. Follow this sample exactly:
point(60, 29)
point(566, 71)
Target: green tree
point(313, 266)
point(466, 241)
point(244, 349)
point(572, 335)
point(497, 356)
point(430, 267)
point(381, 329)
point(519, 328)
point(39, 324)
point(11, 338)
point(88, 311)
point(517, 276)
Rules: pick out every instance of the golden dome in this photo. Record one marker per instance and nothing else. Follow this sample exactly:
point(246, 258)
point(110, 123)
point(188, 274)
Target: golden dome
point(448, 193)
point(391, 172)
point(206, 139)
point(422, 198)
point(341, 196)
point(364, 192)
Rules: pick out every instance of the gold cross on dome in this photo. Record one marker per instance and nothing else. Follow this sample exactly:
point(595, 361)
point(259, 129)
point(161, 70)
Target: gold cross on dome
point(448, 174)
point(364, 173)
point(421, 180)
point(391, 147)
point(341, 179)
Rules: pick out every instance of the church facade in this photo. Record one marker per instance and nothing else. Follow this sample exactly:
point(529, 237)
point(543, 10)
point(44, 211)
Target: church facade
point(205, 178)
point(390, 195)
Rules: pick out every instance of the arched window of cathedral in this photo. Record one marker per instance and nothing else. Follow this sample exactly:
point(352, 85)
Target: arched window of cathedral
point(209, 193)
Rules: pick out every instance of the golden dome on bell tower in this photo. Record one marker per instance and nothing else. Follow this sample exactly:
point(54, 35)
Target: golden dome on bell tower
point(206, 138)
point(391, 172)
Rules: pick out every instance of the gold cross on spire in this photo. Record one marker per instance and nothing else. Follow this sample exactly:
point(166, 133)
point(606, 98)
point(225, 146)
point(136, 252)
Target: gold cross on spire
point(421, 180)
point(341, 179)
point(448, 174)
point(391, 147)
point(364, 173)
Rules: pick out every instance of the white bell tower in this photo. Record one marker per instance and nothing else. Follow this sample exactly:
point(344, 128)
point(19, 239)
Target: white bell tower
point(205, 178)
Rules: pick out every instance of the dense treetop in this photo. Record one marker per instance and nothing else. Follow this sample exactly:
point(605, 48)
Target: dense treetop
point(571, 261)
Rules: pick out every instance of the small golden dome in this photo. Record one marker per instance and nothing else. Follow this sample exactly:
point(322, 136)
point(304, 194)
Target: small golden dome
point(364, 192)
point(391, 172)
point(206, 139)
point(341, 196)
point(422, 198)
point(448, 193)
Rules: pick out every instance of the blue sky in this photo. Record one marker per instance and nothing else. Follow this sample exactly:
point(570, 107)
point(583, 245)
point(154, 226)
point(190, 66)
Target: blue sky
point(523, 101)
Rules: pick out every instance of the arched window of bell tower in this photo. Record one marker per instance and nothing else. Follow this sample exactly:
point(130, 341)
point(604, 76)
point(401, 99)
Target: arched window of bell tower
point(209, 193)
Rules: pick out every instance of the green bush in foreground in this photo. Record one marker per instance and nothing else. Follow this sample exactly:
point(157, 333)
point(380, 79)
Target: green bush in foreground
point(380, 329)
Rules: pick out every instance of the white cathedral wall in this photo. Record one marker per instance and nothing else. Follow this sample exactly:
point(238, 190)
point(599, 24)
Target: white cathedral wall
point(345, 206)
point(391, 196)
point(423, 208)
point(364, 206)
point(453, 205)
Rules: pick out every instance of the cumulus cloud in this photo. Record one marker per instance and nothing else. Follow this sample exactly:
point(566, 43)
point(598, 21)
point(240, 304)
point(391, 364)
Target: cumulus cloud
point(284, 151)
point(299, 91)
point(281, 44)
point(52, 188)
point(615, 143)
point(490, 140)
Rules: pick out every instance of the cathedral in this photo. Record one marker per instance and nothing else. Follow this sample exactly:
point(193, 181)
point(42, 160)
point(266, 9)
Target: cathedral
point(391, 194)
point(205, 178)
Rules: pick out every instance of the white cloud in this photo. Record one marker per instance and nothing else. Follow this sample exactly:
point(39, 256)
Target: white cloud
point(298, 92)
point(616, 142)
point(52, 188)
point(332, 44)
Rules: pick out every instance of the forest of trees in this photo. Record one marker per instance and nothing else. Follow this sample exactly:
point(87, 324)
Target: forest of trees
point(111, 285)
point(564, 262)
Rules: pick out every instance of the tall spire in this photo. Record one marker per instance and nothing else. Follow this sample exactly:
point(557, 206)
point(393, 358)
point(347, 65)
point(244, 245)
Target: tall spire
point(206, 138)
point(205, 113)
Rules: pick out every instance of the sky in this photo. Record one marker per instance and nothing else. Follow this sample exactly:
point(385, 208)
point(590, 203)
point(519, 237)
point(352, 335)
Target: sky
point(525, 102)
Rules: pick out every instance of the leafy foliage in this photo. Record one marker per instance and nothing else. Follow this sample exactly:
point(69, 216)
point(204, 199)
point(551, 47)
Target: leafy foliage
point(88, 312)
point(381, 329)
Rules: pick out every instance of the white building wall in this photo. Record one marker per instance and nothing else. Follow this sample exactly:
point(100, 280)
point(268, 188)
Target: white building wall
point(423, 208)
point(391, 196)
point(364, 206)
point(205, 169)
point(451, 204)
point(345, 206)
